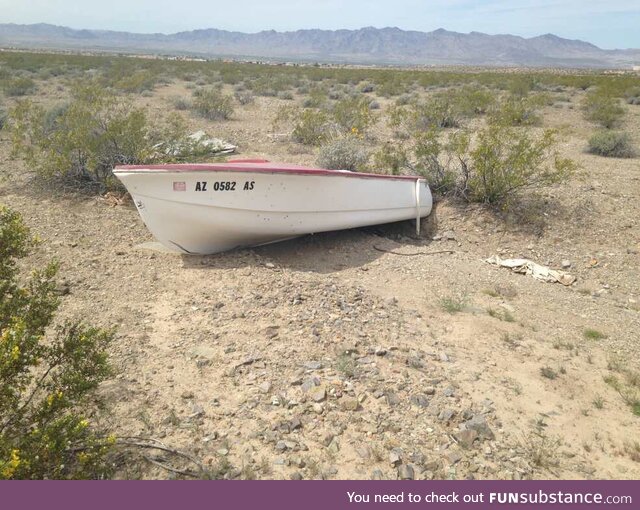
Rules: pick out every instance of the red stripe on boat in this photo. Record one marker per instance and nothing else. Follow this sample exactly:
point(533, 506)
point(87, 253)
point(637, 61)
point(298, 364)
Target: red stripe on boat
point(257, 166)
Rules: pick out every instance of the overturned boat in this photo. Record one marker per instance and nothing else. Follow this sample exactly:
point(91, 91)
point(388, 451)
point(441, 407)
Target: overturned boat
point(209, 208)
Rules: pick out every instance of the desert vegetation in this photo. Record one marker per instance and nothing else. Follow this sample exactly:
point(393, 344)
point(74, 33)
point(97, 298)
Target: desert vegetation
point(365, 354)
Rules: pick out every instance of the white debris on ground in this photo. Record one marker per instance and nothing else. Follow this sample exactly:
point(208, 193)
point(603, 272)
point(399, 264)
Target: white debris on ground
point(528, 267)
point(196, 144)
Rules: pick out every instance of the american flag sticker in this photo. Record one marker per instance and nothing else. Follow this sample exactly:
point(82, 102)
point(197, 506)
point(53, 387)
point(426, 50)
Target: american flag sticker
point(179, 186)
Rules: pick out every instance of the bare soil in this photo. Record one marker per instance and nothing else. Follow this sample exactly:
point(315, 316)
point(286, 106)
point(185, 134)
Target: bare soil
point(325, 357)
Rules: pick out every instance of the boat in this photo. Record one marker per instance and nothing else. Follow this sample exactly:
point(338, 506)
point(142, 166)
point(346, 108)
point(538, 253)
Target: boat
point(210, 208)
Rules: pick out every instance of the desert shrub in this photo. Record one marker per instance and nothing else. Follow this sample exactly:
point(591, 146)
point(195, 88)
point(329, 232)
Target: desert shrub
point(520, 86)
point(515, 111)
point(391, 158)
point(317, 98)
point(312, 127)
point(84, 140)
point(611, 144)
point(492, 168)
point(505, 161)
point(440, 111)
point(138, 82)
point(244, 97)
point(632, 95)
point(212, 104)
point(428, 148)
point(181, 103)
point(3, 117)
point(473, 100)
point(19, 86)
point(365, 87)
point(603, 109)
point(46, 379)
point(346, 153)
point(285, 95)
point(353, 114)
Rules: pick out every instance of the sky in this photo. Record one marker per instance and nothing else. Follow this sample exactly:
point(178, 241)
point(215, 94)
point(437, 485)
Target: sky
point(608, 24)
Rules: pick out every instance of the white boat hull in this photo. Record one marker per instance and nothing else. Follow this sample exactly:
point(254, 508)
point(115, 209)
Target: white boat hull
point(212, 209)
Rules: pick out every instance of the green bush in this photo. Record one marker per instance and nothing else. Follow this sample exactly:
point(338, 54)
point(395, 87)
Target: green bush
point(632, 95)
point(353, 115)
point(83, 141)
point(19, 87)
point(611, 144)
point(506, 160)
point(603, 109)
point(244, 97)
point(390, 159)
point(343, 154)
point(212, 104)
point(312, 127)
point(46, 380)
point(515, 111)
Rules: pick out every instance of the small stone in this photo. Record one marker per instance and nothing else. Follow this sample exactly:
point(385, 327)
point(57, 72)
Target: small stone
point(449, 391)
point(566, 264)
point(296, 475)
point(380, 351)
point(310, 383)
point(327, 438)
point(318, 394)
point(449, 235)
point(187, 395)
point(405, 472)
point(318, 408)
point(392, 398)
point(377, 474)
point(466, 437)
point(269, 265)
point(349, 404)
point(313, 365)
point(420, 400)
point(453, 457)
point(430, 390)
point(395, 457)
point(265, 387)
point(479, 424)
point(446, 415)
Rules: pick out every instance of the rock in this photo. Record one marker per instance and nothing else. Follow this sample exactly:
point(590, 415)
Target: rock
point(449, 391)
point(313, 365)
point(196, 411)
point(453, 457)
point(349, 404)
point(430, 390)
point(449, 235)
point(466, 437)
point(265, 387)
point(480, 425)
point(310, 383)
point(334, 446)
point(327, 438)
point(420, 400)
point(318, 408)
point(392, 398)
point(318, 393)
point(405, 472)
point(395, 457)
point(377, 474)
point(446, 415)
point(364, 452)
point(380, 351)
point(269, 265)
point(187, 395)
point(296, 475)
point(566, 264)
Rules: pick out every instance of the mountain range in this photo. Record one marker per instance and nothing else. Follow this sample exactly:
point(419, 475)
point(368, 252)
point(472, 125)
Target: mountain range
point(364, 46)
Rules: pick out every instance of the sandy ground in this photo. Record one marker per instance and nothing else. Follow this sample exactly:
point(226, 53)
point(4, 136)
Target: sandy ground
point(324, 357)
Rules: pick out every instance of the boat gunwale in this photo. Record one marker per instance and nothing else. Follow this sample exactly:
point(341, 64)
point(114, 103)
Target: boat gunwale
point(256, 168)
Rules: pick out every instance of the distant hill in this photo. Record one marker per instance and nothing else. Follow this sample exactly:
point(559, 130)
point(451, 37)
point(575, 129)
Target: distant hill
point(365, 46)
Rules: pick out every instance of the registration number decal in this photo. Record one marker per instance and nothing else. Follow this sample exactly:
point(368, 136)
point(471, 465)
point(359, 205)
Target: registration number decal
point(224, 186)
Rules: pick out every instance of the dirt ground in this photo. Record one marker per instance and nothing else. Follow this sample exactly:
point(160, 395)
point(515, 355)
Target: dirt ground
point(325, 357)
